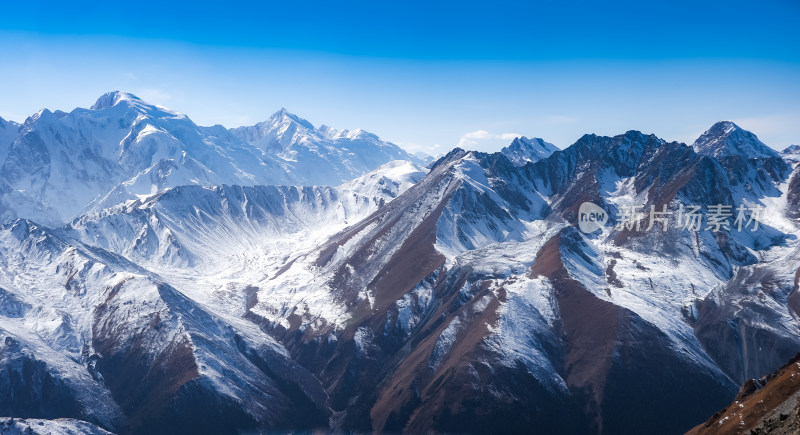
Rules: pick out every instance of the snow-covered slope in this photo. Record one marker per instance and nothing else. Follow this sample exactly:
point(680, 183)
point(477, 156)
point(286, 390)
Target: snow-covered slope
point(194, 226)
point(87, 334)
point(387, 181)
point(60, 426)
point(207, 241)
point(321, 155)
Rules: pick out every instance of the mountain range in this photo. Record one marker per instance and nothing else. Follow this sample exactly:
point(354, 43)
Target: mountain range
point(157, 276)
point(57, 166)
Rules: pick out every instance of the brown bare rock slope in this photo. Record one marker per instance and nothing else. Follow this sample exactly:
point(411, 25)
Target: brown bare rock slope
point(614, 361)
point(768, 405)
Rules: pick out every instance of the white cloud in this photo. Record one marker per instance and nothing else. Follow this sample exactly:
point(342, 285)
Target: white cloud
point(508, 136)
point(466, 143)
point(478, 134)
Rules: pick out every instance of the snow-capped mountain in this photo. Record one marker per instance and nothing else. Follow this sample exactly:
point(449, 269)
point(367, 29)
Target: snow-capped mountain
point(459, 298)
point(726, 139)
point(125, 146)
point(279, 132)
point(59, 165)
point(523, 150)
point(197, 227)
point(321, 155)
point(536, 300)
point(753, 168)
point(791, 153)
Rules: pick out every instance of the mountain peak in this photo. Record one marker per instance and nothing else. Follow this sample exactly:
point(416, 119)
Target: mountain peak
point(725, 126)
point(523, 150)
point(791, 153)
point(726, 139)
point(636, 134)
point(111, 99)
point(284, 114)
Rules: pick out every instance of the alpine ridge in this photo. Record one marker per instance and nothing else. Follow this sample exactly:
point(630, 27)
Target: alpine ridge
point(523, 150)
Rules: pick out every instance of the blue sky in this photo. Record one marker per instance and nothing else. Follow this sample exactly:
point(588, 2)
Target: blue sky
point(426, 75)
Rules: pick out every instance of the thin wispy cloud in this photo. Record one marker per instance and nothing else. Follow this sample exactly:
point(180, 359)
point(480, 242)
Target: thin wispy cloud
point(509, 136)
point(478, 134)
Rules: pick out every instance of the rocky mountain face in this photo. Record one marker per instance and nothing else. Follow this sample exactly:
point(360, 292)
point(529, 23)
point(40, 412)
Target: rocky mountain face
point(167, 363)
point(769, 404)
point(791, 153)
point(523, 150)
point(753, 168)
point(793, 191)
point(726, 139)
point(458, 298)
point(538, 305)
point(57, 166)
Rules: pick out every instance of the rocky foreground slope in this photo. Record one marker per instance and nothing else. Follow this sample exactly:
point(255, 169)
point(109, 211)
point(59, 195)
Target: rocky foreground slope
point(767, 405)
